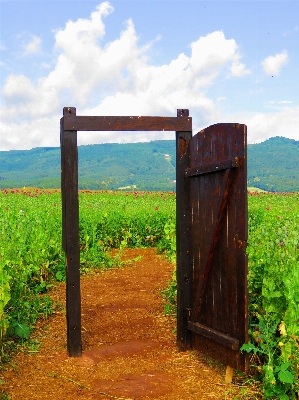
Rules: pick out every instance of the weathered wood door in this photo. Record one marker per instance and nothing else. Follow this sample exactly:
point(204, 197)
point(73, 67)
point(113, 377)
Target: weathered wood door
point(212, 261)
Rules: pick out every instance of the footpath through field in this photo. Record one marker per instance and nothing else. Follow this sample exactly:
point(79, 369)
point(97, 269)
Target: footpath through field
point(129, 346)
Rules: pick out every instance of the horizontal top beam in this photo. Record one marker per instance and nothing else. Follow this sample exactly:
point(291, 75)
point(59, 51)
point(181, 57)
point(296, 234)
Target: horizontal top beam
point(71, 122)
point(127, 123)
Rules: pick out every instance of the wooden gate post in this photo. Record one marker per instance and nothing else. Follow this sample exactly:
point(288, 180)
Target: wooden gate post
point(70, 231)
point(184, 275)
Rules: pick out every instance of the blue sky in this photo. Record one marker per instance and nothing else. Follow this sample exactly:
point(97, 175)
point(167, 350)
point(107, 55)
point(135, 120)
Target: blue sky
point(227, 61)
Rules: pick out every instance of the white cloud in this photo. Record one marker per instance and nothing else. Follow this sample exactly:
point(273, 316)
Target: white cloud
point(113, 79)
point(239, 69)
point(262, 126)
point(40, 132)
point(273, 64)
point(18, 89)
point(278, 105)
point(33, 46)
point(292, 31)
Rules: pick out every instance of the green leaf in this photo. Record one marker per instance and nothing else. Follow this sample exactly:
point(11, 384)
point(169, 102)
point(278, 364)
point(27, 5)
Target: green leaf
point(284, 366)
point(4, 289)
point(60, 276)
point(286, 376)
point(268, 392)
point(283, 396)
point(249, 347)
point(22, 331)
point(286, 351)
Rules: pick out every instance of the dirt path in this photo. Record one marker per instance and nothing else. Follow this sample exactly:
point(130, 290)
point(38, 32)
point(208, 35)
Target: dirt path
point(129, 348)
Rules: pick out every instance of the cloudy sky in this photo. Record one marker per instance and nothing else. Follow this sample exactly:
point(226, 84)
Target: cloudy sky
point(227, 61)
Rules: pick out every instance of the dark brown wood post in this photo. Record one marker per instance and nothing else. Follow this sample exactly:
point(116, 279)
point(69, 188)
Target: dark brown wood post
point(70, 230)
point(62, 154)
point(184, 275)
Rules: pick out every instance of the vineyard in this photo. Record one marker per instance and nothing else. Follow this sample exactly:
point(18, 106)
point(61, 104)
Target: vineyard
point(31, 260)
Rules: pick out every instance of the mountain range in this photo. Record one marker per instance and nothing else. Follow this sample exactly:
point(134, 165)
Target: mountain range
point(273, 165)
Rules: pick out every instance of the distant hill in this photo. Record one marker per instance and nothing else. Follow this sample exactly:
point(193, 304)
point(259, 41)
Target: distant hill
point(144, 166)
point(273, 165)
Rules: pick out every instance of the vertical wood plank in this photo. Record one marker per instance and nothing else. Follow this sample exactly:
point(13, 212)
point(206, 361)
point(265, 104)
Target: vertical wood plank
point(71, 236)
point(184, 273)
point(242, 216)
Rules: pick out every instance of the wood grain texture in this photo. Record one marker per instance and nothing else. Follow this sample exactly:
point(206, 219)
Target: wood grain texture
point(70, 237)
point(218, 231)
point(134, 123)
point(184, 275)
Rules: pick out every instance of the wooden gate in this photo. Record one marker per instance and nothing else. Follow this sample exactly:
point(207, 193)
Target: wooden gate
point(211, 230)
point(211, 242)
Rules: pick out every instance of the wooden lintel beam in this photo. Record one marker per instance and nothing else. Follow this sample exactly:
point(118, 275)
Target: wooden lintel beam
point(101, 123)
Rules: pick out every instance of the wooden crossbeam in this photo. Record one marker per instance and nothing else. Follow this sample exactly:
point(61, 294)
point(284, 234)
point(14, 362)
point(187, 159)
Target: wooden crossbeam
point(135, 123)
point(214, 335)
point(212, 167)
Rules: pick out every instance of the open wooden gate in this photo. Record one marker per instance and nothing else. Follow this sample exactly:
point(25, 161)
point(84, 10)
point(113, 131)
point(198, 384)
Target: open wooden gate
point(211, 230)
point(211, 242)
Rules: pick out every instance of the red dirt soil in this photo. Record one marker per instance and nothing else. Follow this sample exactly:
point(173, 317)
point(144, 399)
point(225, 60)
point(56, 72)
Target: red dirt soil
point(129, 346)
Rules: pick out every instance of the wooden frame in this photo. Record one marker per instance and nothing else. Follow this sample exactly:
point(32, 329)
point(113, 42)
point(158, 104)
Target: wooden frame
point(70, 123)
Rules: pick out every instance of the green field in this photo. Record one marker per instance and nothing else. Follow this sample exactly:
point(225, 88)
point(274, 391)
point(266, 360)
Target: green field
point(31, 259)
